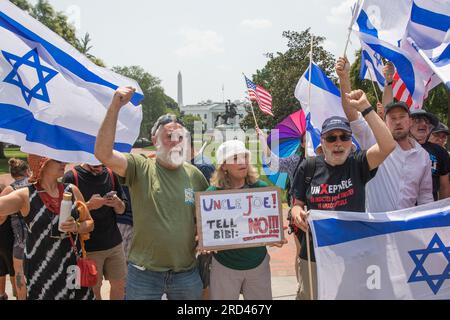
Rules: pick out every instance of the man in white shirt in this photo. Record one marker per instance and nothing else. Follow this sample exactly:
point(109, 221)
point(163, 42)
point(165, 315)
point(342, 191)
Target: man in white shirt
point(404, 178)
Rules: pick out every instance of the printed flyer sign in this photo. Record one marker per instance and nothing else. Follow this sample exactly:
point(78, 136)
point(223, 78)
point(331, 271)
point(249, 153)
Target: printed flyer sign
point(234, 219)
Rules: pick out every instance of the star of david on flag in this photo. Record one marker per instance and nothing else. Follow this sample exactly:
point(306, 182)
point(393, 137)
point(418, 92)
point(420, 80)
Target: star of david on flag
point(44, 74)
point(420, 273)
point(53, 99)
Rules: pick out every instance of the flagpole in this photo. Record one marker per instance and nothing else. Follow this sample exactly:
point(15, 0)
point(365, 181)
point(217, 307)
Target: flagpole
point(308, 251)
point(354, 13)
point(373, 84)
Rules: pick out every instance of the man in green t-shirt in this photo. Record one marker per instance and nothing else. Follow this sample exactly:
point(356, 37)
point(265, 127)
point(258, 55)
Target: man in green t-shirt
point(162, 255)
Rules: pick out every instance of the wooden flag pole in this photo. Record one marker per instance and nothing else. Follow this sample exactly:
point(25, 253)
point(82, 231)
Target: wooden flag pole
point(308, 251)
point(373, 84)
point(254, 117)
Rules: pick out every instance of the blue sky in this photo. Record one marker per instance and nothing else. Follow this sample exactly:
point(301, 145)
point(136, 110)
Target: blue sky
point(212, 42)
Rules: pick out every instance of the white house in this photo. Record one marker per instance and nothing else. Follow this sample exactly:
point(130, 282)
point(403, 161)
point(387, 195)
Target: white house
point(209, 111)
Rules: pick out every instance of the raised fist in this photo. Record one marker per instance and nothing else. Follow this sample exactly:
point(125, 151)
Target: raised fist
point(122, 96)
point(357, 99)
point(389, 71)
point(342, 67)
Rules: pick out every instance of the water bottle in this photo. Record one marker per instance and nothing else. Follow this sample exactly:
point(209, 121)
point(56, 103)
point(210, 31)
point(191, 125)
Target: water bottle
point(66, 209)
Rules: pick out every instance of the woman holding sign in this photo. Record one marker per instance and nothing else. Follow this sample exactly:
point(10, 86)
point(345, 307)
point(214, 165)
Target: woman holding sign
point(244, 270)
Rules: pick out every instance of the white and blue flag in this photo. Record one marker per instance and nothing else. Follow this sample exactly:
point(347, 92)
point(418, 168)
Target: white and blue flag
point(383, 26)
point(52, 98)
point(325, 103)
point(395, 255)
point(371, 66)
point(428, 33)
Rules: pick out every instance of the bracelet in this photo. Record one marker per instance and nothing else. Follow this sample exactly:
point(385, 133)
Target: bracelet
point(367, 111)
point(389, 83)
point(78, 226)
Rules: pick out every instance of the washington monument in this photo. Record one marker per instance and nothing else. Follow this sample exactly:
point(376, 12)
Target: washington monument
point(180, 90)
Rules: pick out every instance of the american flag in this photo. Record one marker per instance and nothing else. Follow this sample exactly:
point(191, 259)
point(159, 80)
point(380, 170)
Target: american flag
point(401, 93)
point(260, 95)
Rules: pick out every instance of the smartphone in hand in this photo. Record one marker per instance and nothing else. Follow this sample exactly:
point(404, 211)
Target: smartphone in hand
point(110, 195)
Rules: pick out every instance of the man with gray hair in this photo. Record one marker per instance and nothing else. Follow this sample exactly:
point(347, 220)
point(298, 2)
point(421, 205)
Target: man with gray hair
point(162, 256)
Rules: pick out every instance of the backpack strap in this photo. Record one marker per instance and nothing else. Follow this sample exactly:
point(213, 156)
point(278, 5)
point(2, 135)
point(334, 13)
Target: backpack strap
point(310, 170)
point(111, 175)
point(75, 176)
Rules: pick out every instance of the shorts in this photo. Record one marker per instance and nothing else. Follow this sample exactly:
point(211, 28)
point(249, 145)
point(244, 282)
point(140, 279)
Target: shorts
point(6, 262)
point(110, 263)
point(20, 233)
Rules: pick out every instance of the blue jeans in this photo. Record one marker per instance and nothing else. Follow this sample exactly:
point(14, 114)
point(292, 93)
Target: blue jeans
point(151, 285)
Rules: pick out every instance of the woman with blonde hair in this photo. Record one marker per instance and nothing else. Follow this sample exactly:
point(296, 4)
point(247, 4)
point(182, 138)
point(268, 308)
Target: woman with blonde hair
point(244, 270)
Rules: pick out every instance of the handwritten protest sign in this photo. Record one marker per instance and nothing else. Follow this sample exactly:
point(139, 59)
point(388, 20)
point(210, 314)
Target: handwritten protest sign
point(234, 219)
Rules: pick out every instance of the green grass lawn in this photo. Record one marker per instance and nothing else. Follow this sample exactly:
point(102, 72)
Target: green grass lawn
point(10, 153)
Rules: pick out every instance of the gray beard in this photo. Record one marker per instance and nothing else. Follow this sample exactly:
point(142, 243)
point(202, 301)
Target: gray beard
point(174, 157)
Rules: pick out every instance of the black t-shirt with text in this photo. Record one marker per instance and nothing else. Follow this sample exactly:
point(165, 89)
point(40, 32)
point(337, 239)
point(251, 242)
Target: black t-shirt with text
point(106, 234)
point(338, 188)
point(440, 163)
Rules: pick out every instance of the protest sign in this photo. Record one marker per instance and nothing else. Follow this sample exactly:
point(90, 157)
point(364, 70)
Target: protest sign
point(234, 219)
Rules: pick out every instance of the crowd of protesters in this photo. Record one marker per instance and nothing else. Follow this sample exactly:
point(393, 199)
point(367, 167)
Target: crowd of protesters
point(134, 216)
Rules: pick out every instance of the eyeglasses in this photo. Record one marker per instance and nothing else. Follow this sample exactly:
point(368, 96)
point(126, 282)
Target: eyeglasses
point(333, 138)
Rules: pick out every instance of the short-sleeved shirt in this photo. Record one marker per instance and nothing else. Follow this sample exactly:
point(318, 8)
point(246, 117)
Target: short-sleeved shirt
point(440, 161)
point(106, 234)
point(335, 188)
point(245, 258)
point(163, 214)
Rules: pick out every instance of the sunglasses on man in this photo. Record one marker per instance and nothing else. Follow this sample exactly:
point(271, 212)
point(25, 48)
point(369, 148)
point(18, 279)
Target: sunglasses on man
point(333, 138)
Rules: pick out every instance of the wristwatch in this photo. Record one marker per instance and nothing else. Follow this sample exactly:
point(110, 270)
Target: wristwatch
point(389, 83)
point(367, 111)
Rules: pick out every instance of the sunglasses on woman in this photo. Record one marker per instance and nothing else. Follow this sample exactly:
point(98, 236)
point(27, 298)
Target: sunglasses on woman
point(343, 138)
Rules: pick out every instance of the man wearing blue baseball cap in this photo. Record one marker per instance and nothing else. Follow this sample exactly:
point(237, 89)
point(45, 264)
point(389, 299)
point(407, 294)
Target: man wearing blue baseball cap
point(404, 178)
point(339, 177)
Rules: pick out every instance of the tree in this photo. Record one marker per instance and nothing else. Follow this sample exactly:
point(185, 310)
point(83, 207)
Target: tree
point(22, 4)
point(189, 121)
point(282, 72)
point(155, 103)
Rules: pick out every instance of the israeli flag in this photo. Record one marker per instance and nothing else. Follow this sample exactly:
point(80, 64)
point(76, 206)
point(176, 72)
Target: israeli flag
point(52, 98)
point(325, 103)
point(371, 66)
point(395, 255)
point(382, 25)
point(428, 33)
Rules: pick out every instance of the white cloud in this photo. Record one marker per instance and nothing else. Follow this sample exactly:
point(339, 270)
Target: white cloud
point(198, 43)
point(342, 13)
point(256, 23)
point(330, 45)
